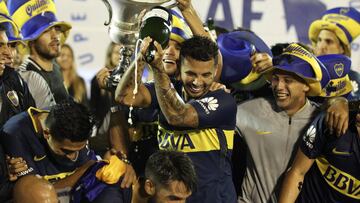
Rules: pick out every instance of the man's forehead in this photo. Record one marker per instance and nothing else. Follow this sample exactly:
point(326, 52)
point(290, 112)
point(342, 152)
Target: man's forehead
point(327, 33)
point(192, 63)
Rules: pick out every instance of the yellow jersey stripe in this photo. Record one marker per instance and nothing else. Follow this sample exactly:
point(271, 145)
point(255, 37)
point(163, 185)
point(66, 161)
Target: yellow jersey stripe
point(202, 140)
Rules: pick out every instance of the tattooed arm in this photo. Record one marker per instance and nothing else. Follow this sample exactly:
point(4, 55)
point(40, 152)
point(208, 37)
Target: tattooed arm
point(294, 178)
point(176, 112)
point(124, 91)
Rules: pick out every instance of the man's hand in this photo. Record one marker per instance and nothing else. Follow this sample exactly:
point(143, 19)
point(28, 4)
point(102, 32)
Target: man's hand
point(337, 115)
point(158, 53)
point(129, 176)
point(15, 166)
point(183, 5)
point(261, 62)
point(216, 86)
point(102, 77)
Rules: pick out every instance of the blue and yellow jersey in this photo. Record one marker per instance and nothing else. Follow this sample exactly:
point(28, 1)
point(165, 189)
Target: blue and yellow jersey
point(211, 141)
point(335, 175)
point(21, 138)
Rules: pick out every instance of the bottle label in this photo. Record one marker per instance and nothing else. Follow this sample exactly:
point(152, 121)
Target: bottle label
point(156, 12)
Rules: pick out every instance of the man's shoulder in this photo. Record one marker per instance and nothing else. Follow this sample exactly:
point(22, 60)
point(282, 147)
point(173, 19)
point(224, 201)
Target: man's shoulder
point(220, 94)
point(17, 124)
point(28, 64)
point(11, 76)
point(218, 98)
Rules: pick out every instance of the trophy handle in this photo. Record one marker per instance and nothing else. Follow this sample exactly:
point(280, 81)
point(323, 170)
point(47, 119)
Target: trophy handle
point(108, 6)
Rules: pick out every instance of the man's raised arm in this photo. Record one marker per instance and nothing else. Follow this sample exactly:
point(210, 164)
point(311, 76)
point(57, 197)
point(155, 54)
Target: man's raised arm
point(124, 93)
point(176, 112)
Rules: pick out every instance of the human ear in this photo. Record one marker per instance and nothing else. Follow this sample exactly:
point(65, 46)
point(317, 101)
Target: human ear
point(149, 187)
point(46, 133)
point(306, 88)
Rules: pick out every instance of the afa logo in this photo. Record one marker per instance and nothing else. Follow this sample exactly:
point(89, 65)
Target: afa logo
point(208, 104)
point(309, 137)
point(339, 69)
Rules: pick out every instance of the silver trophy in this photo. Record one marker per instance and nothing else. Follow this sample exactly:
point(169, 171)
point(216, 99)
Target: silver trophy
point(124, 29)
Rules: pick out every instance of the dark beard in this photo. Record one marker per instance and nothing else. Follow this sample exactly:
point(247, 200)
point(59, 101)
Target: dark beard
point(41, 51)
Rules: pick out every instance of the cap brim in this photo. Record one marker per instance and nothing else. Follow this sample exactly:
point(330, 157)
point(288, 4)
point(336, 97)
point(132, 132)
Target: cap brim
point(64, 27)
point(6, 19)
point(254, 85)
point(315, 86)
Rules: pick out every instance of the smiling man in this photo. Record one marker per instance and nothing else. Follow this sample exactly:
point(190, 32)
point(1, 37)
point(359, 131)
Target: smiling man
point(15, 96)
point(271, 126)
point(193, 119)
point(43, 32)
point(326, 167)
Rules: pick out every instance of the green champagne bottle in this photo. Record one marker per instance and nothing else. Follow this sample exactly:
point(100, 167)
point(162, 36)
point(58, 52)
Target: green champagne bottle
point(156, 24)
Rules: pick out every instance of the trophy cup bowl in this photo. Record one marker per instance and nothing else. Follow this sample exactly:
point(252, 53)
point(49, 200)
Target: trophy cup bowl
point(124, 19)
point(124, 24)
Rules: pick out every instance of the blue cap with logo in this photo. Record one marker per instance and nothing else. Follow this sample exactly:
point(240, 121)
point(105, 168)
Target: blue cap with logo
point(35, 17)
point(296, 59)
point(338, 66)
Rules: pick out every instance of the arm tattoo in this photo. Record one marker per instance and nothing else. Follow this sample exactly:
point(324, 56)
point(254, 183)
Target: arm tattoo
point(127, 82)
point(171, 104)
point(141, 66)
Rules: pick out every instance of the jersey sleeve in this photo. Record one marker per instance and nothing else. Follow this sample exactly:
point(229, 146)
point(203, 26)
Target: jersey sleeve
point(39, 89)
point(313, 141)
point(28, 99)
point(216, 110)
point(15, 146)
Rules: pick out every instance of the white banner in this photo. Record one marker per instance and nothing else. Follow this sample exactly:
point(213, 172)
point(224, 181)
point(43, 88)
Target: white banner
point(275, 21)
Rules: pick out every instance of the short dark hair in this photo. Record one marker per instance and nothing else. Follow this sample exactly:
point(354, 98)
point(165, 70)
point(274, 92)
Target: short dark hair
point(199, 48)
point(70, 120)
point(162, 167)
point(278, 48)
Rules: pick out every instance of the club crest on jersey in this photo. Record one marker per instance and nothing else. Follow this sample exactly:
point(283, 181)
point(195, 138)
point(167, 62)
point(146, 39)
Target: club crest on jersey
point(13, 97)
point(339, 69)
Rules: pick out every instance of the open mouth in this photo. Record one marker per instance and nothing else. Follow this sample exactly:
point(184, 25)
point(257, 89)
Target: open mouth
point(281, 95)
point(195, 89)
point(169, 61)
point(54, 44)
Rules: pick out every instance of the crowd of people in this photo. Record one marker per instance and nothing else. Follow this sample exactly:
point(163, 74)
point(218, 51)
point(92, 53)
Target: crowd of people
point(215, 117)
